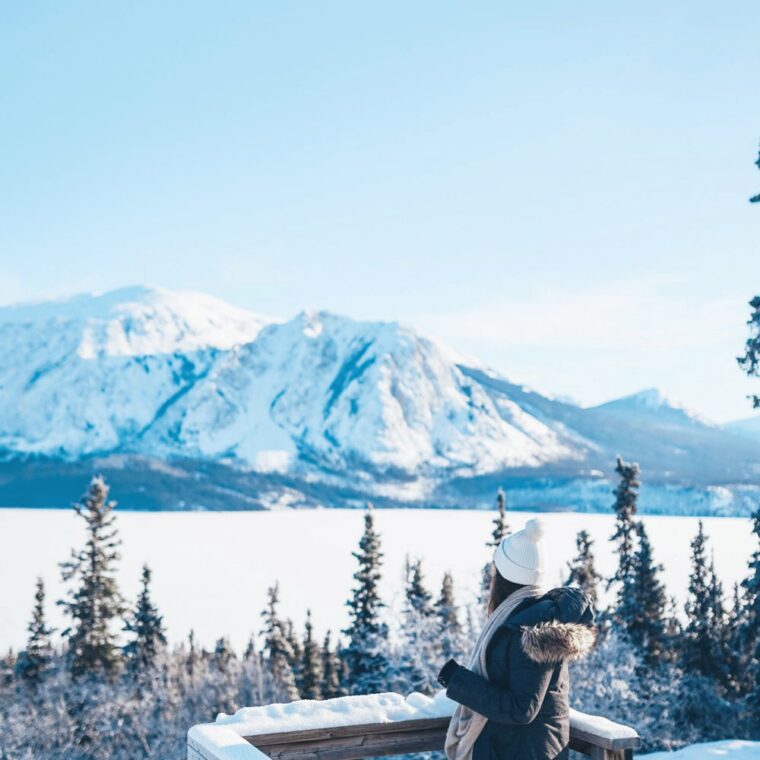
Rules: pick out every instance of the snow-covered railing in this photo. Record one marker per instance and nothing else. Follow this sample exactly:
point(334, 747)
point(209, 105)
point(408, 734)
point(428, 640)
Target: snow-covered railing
point(351, 728)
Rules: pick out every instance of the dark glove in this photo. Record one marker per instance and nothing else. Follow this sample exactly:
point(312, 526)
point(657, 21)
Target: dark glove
point(447, 671)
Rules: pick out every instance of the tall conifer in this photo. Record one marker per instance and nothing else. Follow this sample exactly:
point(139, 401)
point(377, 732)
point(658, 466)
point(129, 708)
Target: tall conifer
point(147, 629)
point(626, 499)
point(95, 603)
point(450, 629)
point(311, 664)
point(365, 655)
point(278, 652)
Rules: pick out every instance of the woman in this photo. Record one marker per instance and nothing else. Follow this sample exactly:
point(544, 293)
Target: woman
point(513, 699)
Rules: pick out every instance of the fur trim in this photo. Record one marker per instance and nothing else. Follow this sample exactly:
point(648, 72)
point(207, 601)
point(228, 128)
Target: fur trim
point(552, 641)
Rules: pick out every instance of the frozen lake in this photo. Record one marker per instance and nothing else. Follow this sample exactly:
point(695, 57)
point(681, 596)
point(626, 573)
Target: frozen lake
point(211, 569)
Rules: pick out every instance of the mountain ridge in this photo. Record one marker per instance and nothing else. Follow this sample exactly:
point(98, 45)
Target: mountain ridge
point(318, 403)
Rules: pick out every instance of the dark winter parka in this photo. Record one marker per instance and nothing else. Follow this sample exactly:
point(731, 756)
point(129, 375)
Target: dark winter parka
point(525, 697)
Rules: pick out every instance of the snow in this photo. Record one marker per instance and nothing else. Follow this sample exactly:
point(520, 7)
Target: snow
point(600, 726)
point(728, 749)
point(164, 374)
point(209, 741)
point(343, 711)
point(211, 569)
point(377, 708)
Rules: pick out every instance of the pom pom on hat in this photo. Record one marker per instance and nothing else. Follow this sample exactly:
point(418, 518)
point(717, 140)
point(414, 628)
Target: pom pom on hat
point(534, 530)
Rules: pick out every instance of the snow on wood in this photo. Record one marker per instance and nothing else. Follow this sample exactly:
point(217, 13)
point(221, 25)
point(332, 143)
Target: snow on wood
point(596, 725)
point(306, 715)
point(213, 742)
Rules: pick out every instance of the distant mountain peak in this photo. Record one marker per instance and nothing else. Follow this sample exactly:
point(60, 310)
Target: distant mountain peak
point(138, 320)
point(653, 401)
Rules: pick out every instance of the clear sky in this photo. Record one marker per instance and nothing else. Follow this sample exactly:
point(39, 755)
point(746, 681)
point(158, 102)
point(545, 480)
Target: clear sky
point(558, 188)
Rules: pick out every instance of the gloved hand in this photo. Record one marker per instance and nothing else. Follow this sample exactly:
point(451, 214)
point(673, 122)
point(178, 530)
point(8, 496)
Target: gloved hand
point(447, 671)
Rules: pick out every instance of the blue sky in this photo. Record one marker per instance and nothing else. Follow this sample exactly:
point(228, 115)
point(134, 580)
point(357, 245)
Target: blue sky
point(560, 189)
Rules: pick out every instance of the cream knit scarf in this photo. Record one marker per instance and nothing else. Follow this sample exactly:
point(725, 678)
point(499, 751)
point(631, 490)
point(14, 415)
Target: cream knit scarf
point(466, 724)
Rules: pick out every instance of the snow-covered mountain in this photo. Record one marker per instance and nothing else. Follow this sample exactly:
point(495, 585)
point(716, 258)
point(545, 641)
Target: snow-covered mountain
point(164, 388)
point(654, 405)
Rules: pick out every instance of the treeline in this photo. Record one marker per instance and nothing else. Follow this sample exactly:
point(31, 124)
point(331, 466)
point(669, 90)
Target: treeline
point(112, 688)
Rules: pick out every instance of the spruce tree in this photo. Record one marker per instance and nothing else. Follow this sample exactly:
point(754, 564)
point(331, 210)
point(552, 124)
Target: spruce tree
point(365, 655)
point(250, 648)
point(750, 361)
point(450, 629)
point(295, 647)
point(500, 524)
point(311, 664)
point(35, 659)
point(331, 671)
point(147, 629)
point(646, 627)
point(756, 198)
point(223, 654)
point(626, 498)
point(750, 631)
point(499, 531)
point(722, 654)
point(94, 604)
point(582, 569)
point(420, 633)
point(278, 653)
point(418, 597)
point(193, 655)
point(701, 635)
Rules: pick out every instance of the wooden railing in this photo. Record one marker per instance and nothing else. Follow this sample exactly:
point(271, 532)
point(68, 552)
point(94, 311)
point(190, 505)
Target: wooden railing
point(595, 737)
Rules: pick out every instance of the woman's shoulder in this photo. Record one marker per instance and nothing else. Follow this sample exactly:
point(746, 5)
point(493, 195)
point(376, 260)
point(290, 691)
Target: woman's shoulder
point(557, 626)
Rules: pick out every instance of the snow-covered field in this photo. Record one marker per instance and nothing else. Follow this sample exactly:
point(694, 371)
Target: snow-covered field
point(211, 569)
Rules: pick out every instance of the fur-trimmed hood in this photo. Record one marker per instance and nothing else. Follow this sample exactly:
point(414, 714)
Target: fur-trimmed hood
point(558, 626)
point(553, 642)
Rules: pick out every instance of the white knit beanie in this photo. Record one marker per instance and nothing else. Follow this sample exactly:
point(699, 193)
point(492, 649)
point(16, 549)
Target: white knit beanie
point(520, 556)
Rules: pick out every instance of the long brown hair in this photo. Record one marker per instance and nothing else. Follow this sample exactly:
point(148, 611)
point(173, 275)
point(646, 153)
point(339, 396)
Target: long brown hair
point(500, 589)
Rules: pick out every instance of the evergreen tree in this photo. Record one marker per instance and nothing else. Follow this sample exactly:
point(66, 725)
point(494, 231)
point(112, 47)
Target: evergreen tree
point(193, 655)
point(250, 648)
point(500, 524)
point(420, 633)
point(722, 654)
point(223, 654)
point(450, 629)
point(34, 660)
point(417, 596)
point(626, 498)
point(95, 603)
point(646, 627)
point(582, 569)
point(365, 655)
point(311, 664)
point(147, 629)
point(750, 630)
point(295, 647)
point(756, 198)
point(673, 630)
point(704, 614)
point(499, 531)
point(750, 362)
point(331, 671)
point(278, 653)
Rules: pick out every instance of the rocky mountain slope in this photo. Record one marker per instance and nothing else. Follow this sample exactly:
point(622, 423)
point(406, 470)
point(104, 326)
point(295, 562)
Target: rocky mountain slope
point(185, 400)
